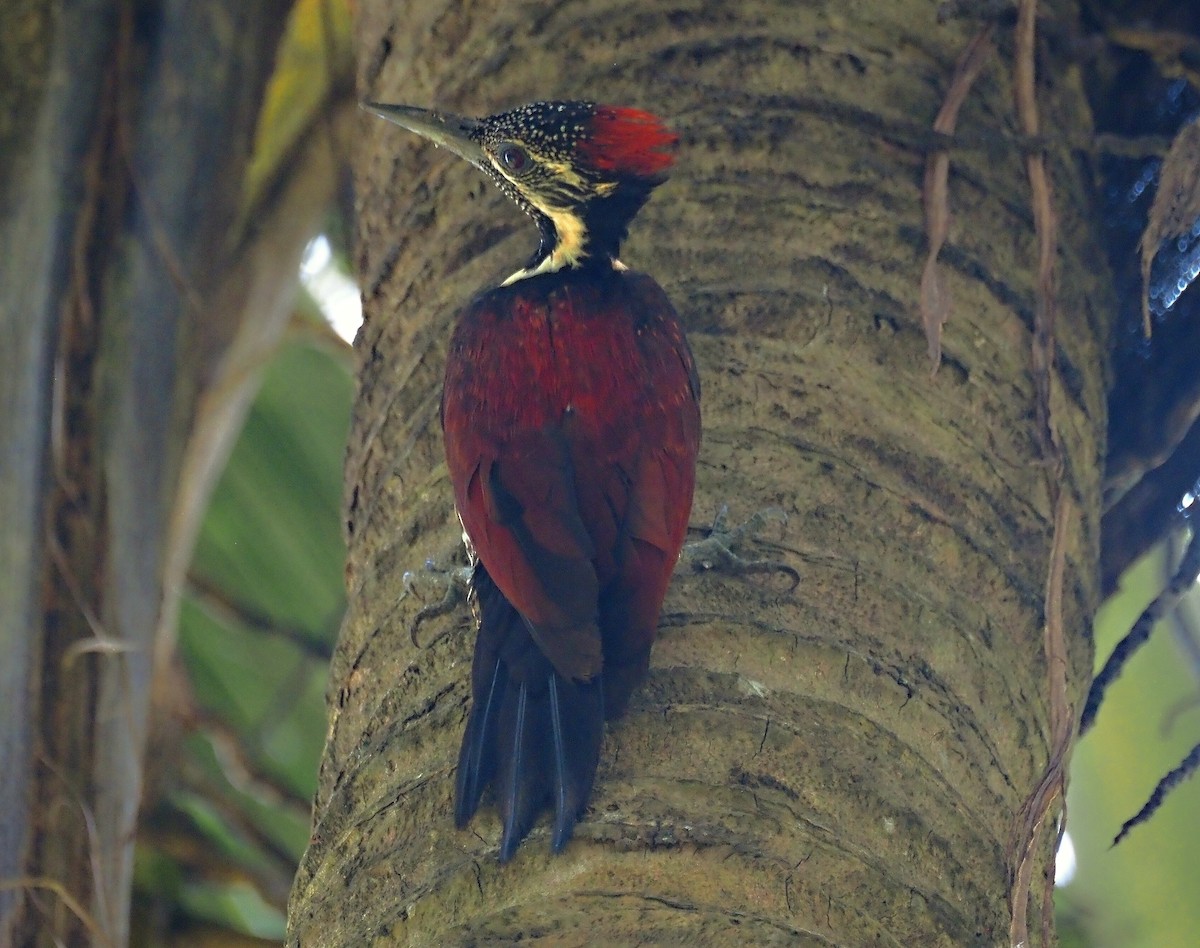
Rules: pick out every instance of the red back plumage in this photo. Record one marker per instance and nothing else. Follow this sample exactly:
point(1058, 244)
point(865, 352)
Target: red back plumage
point(629, 141)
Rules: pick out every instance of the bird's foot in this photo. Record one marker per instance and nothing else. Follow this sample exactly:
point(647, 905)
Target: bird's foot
point(457, 583)
point(716, 551)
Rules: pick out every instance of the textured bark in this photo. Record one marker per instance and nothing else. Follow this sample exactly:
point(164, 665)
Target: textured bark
point(129, 265)
point(839, 765)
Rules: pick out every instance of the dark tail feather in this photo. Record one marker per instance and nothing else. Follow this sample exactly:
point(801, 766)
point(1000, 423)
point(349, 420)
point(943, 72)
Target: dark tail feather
point(490, 687)
point(477, 757)
point(576, 730)
point(532, 734)
point(521, 780)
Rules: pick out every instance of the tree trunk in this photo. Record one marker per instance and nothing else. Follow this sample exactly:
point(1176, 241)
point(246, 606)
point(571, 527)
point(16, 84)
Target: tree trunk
point(844, 764)
point(141, 280)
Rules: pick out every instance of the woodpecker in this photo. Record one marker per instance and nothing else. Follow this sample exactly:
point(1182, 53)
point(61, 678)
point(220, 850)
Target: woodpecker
point(571, 420)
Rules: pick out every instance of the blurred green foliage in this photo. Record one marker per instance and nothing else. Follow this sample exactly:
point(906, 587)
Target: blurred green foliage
point(228, 810)
point(1142, 893)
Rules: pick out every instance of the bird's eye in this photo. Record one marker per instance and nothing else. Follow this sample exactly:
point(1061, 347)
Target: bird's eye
point(513, 157)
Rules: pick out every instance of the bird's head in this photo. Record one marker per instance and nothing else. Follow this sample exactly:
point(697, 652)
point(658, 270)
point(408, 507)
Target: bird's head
point(582, 171)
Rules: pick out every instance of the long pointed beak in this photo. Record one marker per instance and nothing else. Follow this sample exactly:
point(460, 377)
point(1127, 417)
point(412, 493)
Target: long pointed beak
point(441, 128)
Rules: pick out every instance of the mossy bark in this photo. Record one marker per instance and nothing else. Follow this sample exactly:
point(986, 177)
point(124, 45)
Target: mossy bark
point(842, 764)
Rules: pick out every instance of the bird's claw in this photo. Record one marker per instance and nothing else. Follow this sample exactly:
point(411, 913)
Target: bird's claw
point(716, 551)
point(457, 580)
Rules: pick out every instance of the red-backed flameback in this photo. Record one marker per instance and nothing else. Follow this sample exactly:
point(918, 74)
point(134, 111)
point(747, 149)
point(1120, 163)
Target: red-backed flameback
point(571, 415)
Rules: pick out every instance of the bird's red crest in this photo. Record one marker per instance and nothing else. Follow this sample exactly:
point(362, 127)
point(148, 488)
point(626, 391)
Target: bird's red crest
point(629, 141)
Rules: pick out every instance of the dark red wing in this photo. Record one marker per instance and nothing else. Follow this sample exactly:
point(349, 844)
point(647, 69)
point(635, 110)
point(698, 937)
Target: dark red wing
point(572, 426)
point(519, 508)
